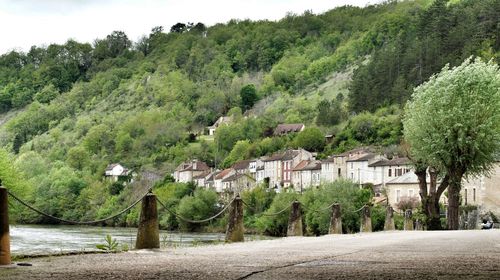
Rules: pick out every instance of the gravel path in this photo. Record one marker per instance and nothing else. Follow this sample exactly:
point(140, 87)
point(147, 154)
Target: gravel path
point(384, 255)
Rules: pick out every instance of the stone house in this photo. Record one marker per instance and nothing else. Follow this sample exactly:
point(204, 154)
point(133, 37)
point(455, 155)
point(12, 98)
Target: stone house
point(278, 167)
point(186, 171)
point(218, 179)
point(483, 191)
point(238, 182)
point(306, 174)
point(385, 170)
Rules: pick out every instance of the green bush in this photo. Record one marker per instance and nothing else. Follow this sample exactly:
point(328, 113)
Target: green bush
point(378, 217)
point(276, 225)
point(201, 205)
point(348, 195)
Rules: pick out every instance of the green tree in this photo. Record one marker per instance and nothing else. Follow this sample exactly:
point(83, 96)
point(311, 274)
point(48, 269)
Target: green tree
point(311, 139)
point(249, 96)
point(453, 125)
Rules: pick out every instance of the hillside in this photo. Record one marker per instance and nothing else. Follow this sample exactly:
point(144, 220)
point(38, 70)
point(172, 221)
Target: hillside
point(347, 72)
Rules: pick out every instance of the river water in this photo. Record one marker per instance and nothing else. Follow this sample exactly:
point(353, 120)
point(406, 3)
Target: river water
point(51, 239)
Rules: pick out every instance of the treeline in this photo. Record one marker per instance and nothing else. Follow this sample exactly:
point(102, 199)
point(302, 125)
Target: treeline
point(426, 41)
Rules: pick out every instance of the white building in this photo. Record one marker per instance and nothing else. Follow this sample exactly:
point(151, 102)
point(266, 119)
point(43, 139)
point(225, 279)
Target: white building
point(220, 121)
point(115, 170)
point(358, 170)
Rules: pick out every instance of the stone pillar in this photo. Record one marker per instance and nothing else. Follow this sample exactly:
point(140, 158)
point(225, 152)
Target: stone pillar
point(389, 219)
point(419, 225)
point(295, 220)
point(408, 223)
point(335, 220)
point(4, 228)
point(148, 233)
point(366, 219)
point(235, 229)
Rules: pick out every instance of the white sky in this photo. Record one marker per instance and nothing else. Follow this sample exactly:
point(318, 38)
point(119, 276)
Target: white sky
point(24, 23)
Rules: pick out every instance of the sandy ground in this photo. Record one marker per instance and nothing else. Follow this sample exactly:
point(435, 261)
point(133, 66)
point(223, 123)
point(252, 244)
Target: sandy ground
point(384, 255)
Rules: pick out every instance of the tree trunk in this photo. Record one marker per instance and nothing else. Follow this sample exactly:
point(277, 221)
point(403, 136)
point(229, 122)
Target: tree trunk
point(430, 197)
point(453, 204)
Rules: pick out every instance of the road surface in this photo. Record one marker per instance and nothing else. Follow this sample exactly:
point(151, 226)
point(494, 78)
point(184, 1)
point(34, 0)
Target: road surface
point(382, 255)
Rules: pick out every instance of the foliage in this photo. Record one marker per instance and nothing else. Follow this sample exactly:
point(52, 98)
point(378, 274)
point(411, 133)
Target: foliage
point(201, 205)
point(310, 139)
point(407, 203)
point(111, 244)
point(276, 225)
point(347, 194)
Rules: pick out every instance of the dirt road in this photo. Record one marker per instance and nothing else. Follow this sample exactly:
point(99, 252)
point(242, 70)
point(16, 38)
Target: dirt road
point(384, 255)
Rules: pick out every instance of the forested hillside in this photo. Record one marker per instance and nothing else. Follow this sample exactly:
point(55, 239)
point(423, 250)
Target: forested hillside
point(70, 110)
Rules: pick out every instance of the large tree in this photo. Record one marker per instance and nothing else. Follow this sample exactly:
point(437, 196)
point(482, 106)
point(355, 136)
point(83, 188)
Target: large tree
point(452, 125)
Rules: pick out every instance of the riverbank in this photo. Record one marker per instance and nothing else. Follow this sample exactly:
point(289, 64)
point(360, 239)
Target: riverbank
point(384, 255)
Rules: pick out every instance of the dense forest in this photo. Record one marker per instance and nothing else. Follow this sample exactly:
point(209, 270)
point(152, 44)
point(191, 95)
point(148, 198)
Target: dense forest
point(70, 110)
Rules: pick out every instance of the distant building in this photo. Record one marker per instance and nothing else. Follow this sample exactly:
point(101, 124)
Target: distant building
point(283, 129)
point(115, 170)
point(278, 167)
point(220, 121)
point(238, 182)
point(483, 191)
point(306, 174)
point(186, 171)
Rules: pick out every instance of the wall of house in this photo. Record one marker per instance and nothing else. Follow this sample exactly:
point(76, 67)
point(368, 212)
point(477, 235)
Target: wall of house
point(483, 191)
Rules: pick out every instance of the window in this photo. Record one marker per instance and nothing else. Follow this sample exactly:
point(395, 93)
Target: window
point(398, 172)
point(352, 176)
point(465, 196)
point(390, 172)
point(474, 194)
point(339, 171)
point(352, 165)
point(410, 193)
point(398, 195)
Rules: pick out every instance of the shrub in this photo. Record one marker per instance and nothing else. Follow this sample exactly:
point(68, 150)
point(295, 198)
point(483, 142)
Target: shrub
point(277, 225)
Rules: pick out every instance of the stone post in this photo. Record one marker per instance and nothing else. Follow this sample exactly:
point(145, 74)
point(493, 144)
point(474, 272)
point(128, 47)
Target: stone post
point(148, 233)
point(419, 225)
point(295, 220)
point(4, 228)
point(408, 223)
point(335, 220)
point(366, 219)
point(389, 219)
point(235, 229)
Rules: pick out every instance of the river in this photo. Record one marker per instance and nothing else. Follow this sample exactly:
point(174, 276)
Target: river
point(52, 239)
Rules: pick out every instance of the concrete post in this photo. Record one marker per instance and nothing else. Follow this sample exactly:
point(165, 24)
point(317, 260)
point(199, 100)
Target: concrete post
point(148, 233)
point(389, 219)
point(4, 228)
point(366, 219)
point(335, 220)
point(408, 224)
point(295, 220)
point(235, 229)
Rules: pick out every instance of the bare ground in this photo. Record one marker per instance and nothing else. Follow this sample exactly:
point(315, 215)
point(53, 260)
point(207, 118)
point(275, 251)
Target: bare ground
point(384, 255)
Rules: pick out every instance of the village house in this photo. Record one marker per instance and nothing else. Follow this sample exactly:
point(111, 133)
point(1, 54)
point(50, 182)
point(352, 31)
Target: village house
point(116, 171)
point(256, 168)
point(283, 129)
point(201, 179)
point(218, 179)
point(306, 174)
point(483, 191)
point(220, 121)
point(358, 170)
point(186, 171)
point(238, 182)
point(278, 167)
point(333, 168)
point(385, 170)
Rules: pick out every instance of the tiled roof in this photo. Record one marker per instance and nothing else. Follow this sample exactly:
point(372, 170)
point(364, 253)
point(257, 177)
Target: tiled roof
point(287, 128)
point(202, 175)
point(392, 162)
point(194, 165)
point(111, 166)
point(242, 164)
point(223, 173)
point(301, 165)
point(362, 157)
point(407, 178)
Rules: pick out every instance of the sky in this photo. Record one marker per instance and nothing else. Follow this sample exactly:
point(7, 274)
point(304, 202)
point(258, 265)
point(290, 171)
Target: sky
point(24, 23)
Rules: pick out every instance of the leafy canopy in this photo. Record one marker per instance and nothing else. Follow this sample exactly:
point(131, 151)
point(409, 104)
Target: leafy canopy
point(453, 120)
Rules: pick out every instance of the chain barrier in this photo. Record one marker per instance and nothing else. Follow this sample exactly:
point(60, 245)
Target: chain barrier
point(265, 214)
point(75, 222)
point(329, 207)
point(194, 221)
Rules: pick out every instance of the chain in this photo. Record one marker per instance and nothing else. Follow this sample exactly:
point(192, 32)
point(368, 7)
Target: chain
point(70, 221)
point(194, 221)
